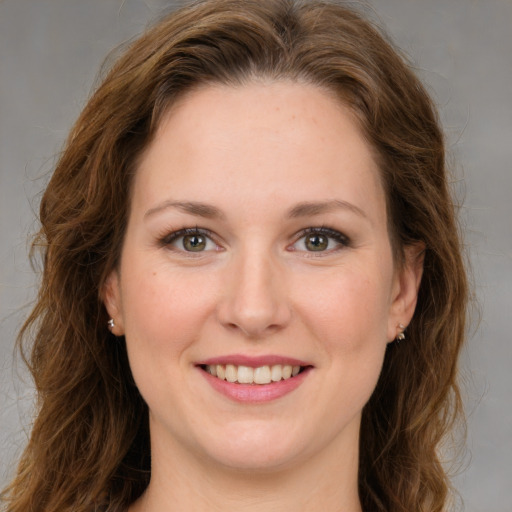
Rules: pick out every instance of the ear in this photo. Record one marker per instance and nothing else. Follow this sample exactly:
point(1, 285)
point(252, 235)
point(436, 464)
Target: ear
point(405, 289)
point(111, 295)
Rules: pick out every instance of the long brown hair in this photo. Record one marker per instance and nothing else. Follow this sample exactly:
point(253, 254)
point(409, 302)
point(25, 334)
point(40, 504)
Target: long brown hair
point(89, 448)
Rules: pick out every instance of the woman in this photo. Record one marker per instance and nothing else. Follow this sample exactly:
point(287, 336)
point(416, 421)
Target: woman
point(253, 291)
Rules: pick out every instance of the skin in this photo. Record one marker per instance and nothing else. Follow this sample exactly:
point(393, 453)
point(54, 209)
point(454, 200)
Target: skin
point(254, 153)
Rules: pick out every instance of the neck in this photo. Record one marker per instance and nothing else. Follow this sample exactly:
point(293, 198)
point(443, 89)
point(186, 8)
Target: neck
point(326, 482)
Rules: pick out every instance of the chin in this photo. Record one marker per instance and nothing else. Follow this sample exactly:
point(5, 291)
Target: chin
point(255, 448)
point(254, 460)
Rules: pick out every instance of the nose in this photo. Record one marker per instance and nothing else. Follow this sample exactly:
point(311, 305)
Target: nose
point(255, 298)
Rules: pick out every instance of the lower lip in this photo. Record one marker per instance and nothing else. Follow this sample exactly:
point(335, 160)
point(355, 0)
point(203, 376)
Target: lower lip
point(256, 393)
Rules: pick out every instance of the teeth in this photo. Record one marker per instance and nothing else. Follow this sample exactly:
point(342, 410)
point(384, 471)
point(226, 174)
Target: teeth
point(231, 373)
point(221, 371)
point(248, 375)
point(262, 375)
point(245, 375)
point(276, 372)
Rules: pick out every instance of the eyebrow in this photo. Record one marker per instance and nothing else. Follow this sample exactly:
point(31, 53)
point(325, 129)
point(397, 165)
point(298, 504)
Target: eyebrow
point(305, 209)
point(308, 209)
point(191, 207)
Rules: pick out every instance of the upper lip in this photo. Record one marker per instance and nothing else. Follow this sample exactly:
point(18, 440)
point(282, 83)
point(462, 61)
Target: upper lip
point(253, 361)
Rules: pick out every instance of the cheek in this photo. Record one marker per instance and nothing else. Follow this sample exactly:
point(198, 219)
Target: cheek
point(348, 309)
point(346, 314)
point(163, 313)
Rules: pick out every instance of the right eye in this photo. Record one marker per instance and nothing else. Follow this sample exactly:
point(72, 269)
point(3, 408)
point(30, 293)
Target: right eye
point(190, 240)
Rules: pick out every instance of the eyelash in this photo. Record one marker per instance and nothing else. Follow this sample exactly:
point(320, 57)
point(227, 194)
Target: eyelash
point(169, 238)
point(341, 239)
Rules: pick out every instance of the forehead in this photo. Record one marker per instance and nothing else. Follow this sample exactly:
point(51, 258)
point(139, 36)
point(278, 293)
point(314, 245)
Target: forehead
point(262, 140)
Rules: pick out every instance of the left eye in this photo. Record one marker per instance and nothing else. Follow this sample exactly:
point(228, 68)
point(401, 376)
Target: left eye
point(320, 240)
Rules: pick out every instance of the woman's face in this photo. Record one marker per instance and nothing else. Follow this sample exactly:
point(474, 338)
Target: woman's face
point(257, 243)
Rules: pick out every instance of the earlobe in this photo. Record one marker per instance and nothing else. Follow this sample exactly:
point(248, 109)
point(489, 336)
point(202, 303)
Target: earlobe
point(111, 296)
point(405, 293)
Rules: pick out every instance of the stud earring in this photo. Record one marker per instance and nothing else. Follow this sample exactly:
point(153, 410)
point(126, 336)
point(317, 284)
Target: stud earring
point(111, 324)
point(400, 336)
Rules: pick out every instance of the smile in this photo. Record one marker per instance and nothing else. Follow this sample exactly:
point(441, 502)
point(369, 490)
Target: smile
point(254, 379)
point(247, 375)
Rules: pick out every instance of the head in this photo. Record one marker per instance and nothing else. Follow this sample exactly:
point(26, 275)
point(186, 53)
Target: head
point(86, 208)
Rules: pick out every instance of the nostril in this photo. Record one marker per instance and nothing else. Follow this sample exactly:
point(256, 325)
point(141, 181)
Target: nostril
point(254, 311)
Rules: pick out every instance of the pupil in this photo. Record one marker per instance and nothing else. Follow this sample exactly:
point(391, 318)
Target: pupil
point(316, 243)
point(194, 243)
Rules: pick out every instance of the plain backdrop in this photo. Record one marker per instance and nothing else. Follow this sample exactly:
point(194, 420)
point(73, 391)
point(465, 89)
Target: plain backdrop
point(50, 53)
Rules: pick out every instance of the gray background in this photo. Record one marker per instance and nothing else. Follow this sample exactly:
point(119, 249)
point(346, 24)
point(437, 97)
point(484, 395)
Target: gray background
point(50, 52)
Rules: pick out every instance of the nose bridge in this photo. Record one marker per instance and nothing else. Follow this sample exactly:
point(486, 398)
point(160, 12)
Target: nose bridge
point(255, 302)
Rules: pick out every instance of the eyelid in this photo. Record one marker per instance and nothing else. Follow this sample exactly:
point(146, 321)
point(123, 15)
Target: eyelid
point(169, 238)
point(341, 239)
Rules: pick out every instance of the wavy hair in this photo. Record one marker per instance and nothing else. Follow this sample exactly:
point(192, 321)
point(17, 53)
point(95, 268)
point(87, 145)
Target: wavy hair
point(89, 446)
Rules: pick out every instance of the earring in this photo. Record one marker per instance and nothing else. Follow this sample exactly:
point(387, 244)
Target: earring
point(400, 336)
point(111, 324)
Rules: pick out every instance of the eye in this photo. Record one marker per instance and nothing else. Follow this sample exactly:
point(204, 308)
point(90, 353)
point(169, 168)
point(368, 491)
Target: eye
point(190, 240)
point(320, 240)
point(316, 242)
point(194, 243)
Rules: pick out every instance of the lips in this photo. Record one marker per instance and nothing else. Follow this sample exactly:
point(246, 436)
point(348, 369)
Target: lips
point(254, 379)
